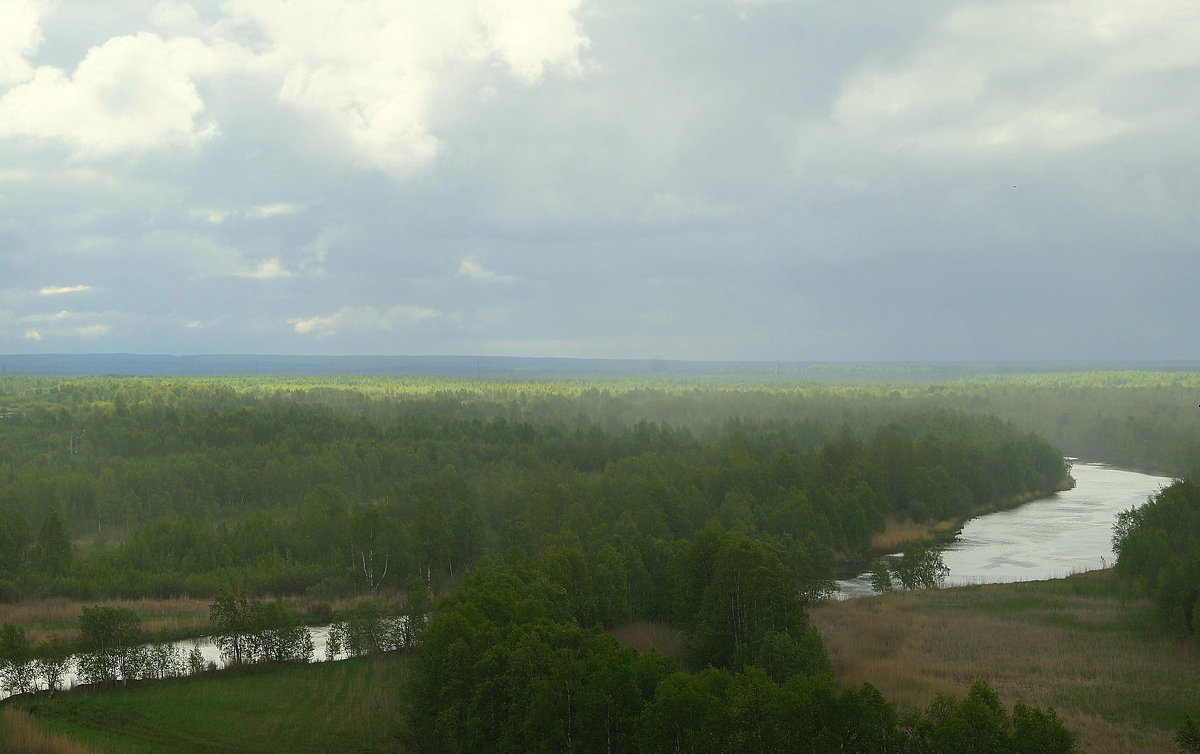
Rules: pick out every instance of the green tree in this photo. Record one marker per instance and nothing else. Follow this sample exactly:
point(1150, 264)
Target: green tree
point(276, 636)
point(881, 577)
point(233, 623)
point(52, 660)
point(920, 568)
point(16, 659)
point(110, 638)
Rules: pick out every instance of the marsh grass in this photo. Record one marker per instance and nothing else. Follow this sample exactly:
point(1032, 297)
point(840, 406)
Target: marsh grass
point(60, 615)
point(176, 616)
point(348, 706)
point(899, 531)
point(21, 734)
point(1080, 645)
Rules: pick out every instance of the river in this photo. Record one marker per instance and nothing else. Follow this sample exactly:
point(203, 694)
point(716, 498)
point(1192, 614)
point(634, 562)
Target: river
point(208, 650)
point(1052, 537)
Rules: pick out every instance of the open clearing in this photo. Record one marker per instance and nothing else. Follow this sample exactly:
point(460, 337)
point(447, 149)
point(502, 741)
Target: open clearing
point(1080, 645)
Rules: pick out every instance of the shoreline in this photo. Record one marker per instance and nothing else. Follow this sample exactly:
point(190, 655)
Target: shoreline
point(898, 534)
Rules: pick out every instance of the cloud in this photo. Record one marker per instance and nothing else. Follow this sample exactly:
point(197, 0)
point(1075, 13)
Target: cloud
point(378, 73)
point(54, 290)
point(278, 209)
point(57, 325)
point(670, 208)
point(20, 35)
point(1051, 76)
point(470, 268)
point(266, 270)
point(213, 216)
point(363, 318)
point(530, 35)
point(132, 94)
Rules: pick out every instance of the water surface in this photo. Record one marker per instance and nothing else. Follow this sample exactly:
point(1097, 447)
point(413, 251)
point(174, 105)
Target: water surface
point(1067, 532)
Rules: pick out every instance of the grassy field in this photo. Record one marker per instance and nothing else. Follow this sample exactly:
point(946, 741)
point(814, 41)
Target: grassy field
point(346, 706)
point(1079, 645)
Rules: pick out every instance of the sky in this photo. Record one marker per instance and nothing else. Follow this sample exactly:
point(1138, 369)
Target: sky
point(768, 180)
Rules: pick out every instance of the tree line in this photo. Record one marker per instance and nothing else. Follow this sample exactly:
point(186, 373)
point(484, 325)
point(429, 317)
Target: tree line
point(291, 498)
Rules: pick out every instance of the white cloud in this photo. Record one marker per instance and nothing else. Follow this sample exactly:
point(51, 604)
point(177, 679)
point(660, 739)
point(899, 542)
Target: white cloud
point(213, 216)
point(56, 325)
point(470, 268)
point(363, 318)
point(265, 270)
point(278, 209)
point(53, 290)
point(20, 35)
point(375, 71)
point(1042, 75)
point(174, 16)
point(530, 35)
point(131, 94)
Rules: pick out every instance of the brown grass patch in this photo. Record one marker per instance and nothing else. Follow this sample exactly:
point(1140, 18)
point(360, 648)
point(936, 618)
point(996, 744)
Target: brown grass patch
point(1115, 680)
point(177, 615)
point(60, 615)
point(657, 635)
point(899, 531)
point(24, 735)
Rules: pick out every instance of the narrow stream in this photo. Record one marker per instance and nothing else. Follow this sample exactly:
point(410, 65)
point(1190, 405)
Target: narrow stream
point(209, 651)
point(1067, 532)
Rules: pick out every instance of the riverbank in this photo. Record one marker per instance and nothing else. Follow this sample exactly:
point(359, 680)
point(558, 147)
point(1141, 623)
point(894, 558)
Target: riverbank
point(900, 532)
point(1084, 645)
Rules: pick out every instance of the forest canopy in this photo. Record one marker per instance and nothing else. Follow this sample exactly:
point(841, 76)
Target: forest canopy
point(154, 486)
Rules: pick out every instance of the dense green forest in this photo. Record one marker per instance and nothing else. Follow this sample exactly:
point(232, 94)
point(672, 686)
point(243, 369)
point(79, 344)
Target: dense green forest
point(550, 512)
point(192, 487)
point(1158, 546)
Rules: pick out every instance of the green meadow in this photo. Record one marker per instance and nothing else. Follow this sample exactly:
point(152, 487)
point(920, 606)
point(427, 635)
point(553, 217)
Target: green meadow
point(348, 706)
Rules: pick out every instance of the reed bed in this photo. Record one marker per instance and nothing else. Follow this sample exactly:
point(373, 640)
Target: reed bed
point(60, 615)
point(175, 616)
point(899, 531)
point(21, 734)
point(1116, 679)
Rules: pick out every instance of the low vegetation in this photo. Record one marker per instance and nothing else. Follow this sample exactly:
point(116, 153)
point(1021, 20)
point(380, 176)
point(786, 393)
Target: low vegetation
point(349, 706)
point(1088, 647)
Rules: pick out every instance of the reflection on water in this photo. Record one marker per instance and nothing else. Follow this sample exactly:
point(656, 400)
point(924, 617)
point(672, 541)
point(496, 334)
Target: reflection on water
point(1065, 533)
point(208, 651)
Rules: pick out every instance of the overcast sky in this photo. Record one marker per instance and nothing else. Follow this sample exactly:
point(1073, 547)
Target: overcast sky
point(689, 179)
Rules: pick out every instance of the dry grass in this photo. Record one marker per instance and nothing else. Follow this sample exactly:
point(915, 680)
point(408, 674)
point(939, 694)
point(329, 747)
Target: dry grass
point(899, 532)
point(177, 615)
point(656, 635)
point(1101, 663)
point(23, 735)
point(60, 615)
